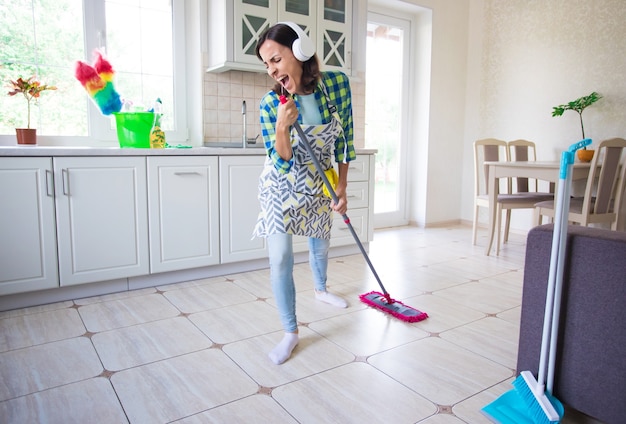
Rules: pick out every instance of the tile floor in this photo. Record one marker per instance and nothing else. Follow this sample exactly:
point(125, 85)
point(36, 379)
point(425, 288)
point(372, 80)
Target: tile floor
point(196, 352)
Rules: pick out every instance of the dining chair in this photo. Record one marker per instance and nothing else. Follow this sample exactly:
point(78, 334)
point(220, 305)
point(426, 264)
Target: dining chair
point(486, 150)
point(525, 192)
point(602, 200)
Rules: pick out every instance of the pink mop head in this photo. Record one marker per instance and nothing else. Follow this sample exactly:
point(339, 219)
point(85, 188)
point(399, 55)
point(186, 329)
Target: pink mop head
point(393, 307)
point(98, 81)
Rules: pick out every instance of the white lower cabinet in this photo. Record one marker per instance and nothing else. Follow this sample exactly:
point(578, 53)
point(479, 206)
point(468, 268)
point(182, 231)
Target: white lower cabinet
point(28, 256)
point(239, 208)
point(102, 222)
point(183, 212)
point(70, 220)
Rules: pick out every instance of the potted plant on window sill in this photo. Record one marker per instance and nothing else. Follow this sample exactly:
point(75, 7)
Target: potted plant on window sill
point(579, 105)
point(30, 89)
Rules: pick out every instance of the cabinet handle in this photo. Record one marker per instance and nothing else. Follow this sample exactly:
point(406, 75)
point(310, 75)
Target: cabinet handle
point(356, 229)
point(65, 179)
point(186, 173)
point(49, 183)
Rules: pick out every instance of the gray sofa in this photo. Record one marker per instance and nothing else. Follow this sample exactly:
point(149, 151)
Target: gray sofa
point(591, 361)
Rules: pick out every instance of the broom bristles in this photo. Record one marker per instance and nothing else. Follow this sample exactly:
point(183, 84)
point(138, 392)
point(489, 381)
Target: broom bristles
point(535, 398)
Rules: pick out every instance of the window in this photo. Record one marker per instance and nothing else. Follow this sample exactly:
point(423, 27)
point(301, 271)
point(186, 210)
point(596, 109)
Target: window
point(45, 38)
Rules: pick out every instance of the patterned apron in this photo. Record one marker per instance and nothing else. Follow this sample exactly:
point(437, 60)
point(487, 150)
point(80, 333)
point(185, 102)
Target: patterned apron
point(294, 203)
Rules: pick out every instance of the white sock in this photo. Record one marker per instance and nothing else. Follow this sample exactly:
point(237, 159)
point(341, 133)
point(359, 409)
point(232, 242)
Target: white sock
point(283, 350)
point(331, 299)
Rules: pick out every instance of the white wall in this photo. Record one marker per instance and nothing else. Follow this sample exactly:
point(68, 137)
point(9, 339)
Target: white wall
point(526, 57)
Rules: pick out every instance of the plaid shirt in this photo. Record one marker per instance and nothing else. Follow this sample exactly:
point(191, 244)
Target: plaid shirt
point(339, 95)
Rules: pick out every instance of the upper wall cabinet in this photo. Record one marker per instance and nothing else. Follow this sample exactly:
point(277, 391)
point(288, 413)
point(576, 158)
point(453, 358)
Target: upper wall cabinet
point(234, 28)
point(334, 39)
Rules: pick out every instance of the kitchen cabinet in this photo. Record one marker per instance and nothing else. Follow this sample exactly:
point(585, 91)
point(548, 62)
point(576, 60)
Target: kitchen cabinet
point(111, 220)
point(28, 258)
point(334, 38)
point(102, 222)
point(239, 208)
point(183, 212)
point(234, 28)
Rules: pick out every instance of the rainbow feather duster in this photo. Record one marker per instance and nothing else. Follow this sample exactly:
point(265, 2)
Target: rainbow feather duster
point(98, 82)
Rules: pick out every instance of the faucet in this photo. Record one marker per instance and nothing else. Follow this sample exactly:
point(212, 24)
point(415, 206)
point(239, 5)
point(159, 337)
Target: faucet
point(245, 124)
point(244, 137)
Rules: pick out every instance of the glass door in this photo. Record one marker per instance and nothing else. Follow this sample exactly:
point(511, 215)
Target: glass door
point(386, 106)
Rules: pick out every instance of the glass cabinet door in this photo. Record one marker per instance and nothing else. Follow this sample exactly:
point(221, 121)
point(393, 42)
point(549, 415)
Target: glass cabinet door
point(252, 17)
point(335, 10)
point(299, 7)
point(334, 25)
point(302, 12)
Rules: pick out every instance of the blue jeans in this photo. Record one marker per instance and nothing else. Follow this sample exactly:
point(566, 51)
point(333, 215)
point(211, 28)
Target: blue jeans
point(280, 248)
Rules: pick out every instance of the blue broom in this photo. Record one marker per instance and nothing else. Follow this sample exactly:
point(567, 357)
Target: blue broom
point(530, 402)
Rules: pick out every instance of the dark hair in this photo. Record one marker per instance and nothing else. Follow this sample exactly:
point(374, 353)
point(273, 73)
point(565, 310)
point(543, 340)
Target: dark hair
point(285, 35)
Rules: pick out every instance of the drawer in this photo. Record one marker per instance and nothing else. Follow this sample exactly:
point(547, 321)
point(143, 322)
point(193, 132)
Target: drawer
point(359, 169)
point(340, 233)
point(358, 195)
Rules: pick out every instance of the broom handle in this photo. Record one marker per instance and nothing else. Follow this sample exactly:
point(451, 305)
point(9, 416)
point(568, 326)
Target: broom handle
point(548, 312)
point(559, 280)
point(549, 337)
point(333, 195)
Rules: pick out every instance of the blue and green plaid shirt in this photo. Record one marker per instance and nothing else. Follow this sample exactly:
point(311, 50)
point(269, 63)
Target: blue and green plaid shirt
point(339, 95)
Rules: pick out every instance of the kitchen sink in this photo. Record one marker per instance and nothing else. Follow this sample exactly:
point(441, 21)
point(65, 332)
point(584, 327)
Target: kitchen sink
point(234, 145)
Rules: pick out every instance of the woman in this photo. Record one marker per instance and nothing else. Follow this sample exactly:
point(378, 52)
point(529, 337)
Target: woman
point(290, 189)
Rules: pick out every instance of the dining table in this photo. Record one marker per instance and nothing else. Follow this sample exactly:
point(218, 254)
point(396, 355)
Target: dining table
point(539, 170)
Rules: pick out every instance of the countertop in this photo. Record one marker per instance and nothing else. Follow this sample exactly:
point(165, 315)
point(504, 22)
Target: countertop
point(27, 150)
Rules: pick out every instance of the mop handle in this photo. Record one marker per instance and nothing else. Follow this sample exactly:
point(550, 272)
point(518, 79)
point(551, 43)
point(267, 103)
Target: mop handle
point(333, 195)
point(555, 277)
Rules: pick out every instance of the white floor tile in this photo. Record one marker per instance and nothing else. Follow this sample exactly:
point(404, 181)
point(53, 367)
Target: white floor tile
point(125, 312)
point(440, 371)
point(179, 387)
point(257, 409)
point(492, 338)
point(86, 401)
point(368, 331)
point(314, 354)
point(41, 367)
point(32, 329)
point(144, 343)
point(208, 296)
point(237, 322)
point(353, 393)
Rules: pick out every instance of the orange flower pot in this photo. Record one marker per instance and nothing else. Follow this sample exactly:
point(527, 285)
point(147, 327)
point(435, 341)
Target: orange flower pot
point(585, 155)
point(26, 135)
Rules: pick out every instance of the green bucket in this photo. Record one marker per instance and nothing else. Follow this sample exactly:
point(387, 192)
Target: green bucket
point(133, 128)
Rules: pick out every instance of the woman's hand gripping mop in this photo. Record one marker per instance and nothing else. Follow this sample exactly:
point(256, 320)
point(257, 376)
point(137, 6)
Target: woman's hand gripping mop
point(381, 301)
point(531, 401)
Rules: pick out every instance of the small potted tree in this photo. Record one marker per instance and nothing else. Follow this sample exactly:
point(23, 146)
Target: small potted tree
point(579, 105)
point(30, 89)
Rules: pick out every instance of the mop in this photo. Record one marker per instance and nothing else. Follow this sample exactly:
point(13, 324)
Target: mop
point(531, 401)
point(381, 301)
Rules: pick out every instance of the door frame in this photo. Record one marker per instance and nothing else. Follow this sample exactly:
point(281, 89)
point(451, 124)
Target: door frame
point(399, 217)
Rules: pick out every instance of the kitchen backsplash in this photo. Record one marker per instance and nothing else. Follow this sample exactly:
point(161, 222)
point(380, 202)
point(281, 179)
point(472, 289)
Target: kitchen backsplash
point(223, 96)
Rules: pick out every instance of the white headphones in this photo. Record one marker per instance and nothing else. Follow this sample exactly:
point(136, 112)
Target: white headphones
point(303, 48)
